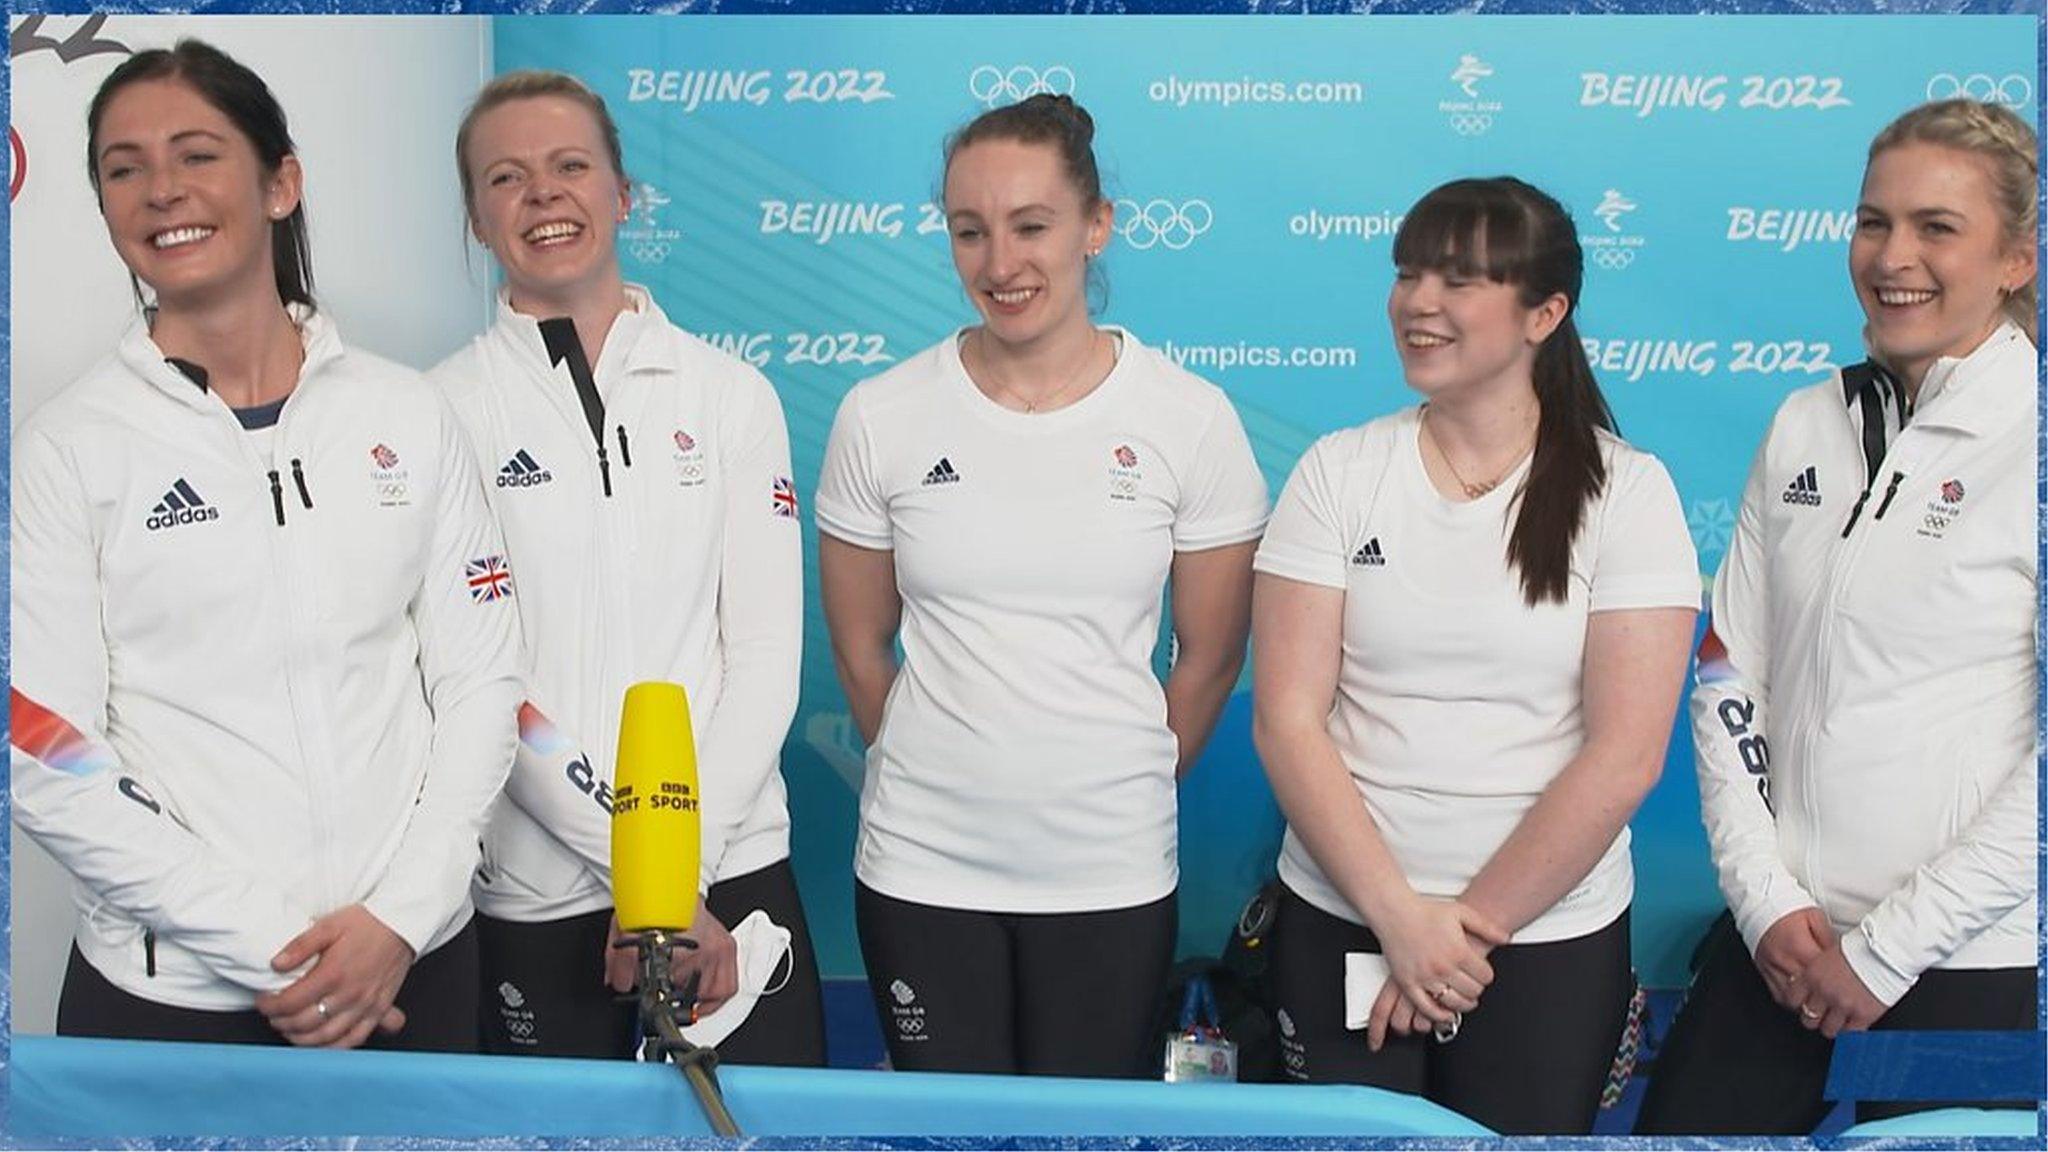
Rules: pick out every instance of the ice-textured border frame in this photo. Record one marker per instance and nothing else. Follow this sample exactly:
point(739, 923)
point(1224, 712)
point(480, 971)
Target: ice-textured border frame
point(1250, 8)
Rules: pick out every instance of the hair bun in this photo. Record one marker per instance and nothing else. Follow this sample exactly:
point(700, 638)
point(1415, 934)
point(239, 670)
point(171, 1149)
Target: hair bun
point(1062, 107)
point(1046, 118)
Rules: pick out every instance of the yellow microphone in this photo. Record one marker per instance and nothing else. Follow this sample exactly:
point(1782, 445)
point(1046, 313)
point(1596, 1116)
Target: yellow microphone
point(655, 825)
point(655, 817)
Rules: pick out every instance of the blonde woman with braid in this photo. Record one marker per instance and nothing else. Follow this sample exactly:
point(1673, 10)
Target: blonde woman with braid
point(1866, 711)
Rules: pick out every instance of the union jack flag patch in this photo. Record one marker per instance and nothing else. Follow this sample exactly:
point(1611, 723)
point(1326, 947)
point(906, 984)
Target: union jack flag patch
point(782, 501)
point(489, 579)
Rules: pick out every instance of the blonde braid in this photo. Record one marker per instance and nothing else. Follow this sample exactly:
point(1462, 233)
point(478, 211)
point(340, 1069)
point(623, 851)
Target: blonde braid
point(2012, 156)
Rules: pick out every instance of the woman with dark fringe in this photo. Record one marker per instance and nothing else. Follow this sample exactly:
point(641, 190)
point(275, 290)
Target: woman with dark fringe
point(1470, 627)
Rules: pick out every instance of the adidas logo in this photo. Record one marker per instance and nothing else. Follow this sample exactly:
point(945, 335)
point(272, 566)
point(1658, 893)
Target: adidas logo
point(1369, 555)
point(1804, 489)
point(941, 473)
point(522, 472)
point(181, 505)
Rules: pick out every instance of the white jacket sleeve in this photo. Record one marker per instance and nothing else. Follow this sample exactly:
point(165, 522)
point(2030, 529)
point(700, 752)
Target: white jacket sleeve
point(101, 819)
point(1986, 873)
point(553, 782)
point(1730, 713)
point(760, 625)
point(468, 654)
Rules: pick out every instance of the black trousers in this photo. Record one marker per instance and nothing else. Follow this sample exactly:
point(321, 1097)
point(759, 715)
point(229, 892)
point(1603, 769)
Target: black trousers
point(1532, 1058)
point(1735, 1063)
point(437, 999)
point(1051, 994)
point(544, 992)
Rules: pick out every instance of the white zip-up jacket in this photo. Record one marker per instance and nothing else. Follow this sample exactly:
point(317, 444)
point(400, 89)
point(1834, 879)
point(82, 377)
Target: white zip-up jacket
point(1865, 717)
point(676, 556)
point(252, 687)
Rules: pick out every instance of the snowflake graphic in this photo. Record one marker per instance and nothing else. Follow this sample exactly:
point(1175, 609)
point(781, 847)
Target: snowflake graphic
point(1712, 523)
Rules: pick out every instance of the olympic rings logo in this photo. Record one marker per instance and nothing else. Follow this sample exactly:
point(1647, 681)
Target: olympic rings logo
point(992, 85)
point(910, 1025)
point(2012, 90)
point(1614, 258)
point(1470, 123)
point(1163, 222)
point(649, 251)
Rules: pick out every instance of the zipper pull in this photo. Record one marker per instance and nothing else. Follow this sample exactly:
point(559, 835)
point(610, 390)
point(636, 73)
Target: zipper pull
point(299, 478)
point(625, 454)
point(149, 952)
point(277, 497)
point(1855, 512)
point(1889, 492)
point(604, 468)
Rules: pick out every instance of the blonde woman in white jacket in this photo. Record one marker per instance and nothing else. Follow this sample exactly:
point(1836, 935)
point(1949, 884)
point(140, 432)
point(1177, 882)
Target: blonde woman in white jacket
point(264, 651)
point(642, 478)
point(1867, 698)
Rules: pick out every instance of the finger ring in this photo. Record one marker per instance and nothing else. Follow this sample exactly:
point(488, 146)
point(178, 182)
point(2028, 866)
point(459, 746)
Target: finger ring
point(321, 1008)
point(1809, 1013)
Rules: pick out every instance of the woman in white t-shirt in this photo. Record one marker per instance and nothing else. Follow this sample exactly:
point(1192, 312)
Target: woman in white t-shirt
point(1471, 625)
point(1011, 504)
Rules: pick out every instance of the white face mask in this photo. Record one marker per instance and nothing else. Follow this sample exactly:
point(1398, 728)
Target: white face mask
point(762, 943)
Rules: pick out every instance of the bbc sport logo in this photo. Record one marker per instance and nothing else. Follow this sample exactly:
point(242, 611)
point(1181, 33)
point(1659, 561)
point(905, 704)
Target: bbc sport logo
point(1473, 115)
point(1614, 247)
point(2012, 90)
point(992, 85)
point(1161, 223)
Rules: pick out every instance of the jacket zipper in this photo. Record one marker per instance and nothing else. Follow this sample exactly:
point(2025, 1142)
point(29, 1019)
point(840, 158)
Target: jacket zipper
point(564, 351)
point(1890, 491)
point(625, 454)
point(299, 478)
point(1840, 566)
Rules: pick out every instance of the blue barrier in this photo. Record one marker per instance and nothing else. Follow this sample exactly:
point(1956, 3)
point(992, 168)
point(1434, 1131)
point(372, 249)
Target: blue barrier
point(1936, 1066)
point(1953, 1123)
point(111, 1089)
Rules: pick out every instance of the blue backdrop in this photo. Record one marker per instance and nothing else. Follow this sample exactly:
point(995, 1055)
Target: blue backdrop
point(785, 171)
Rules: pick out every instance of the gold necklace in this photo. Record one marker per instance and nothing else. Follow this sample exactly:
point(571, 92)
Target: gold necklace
point(1472, 491)
point(1031, 407)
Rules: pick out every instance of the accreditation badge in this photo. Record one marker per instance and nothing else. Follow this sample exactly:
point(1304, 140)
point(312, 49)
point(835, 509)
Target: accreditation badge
point(1199, 1050)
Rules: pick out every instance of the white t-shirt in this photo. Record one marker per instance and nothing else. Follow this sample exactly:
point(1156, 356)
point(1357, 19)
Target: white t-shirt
point(1024, 763)
point(1457, 704)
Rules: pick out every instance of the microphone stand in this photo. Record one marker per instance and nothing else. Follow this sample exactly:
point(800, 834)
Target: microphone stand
point(661, 1015)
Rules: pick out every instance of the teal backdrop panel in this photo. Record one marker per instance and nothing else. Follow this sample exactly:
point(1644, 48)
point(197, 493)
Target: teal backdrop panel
point(785, 171)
